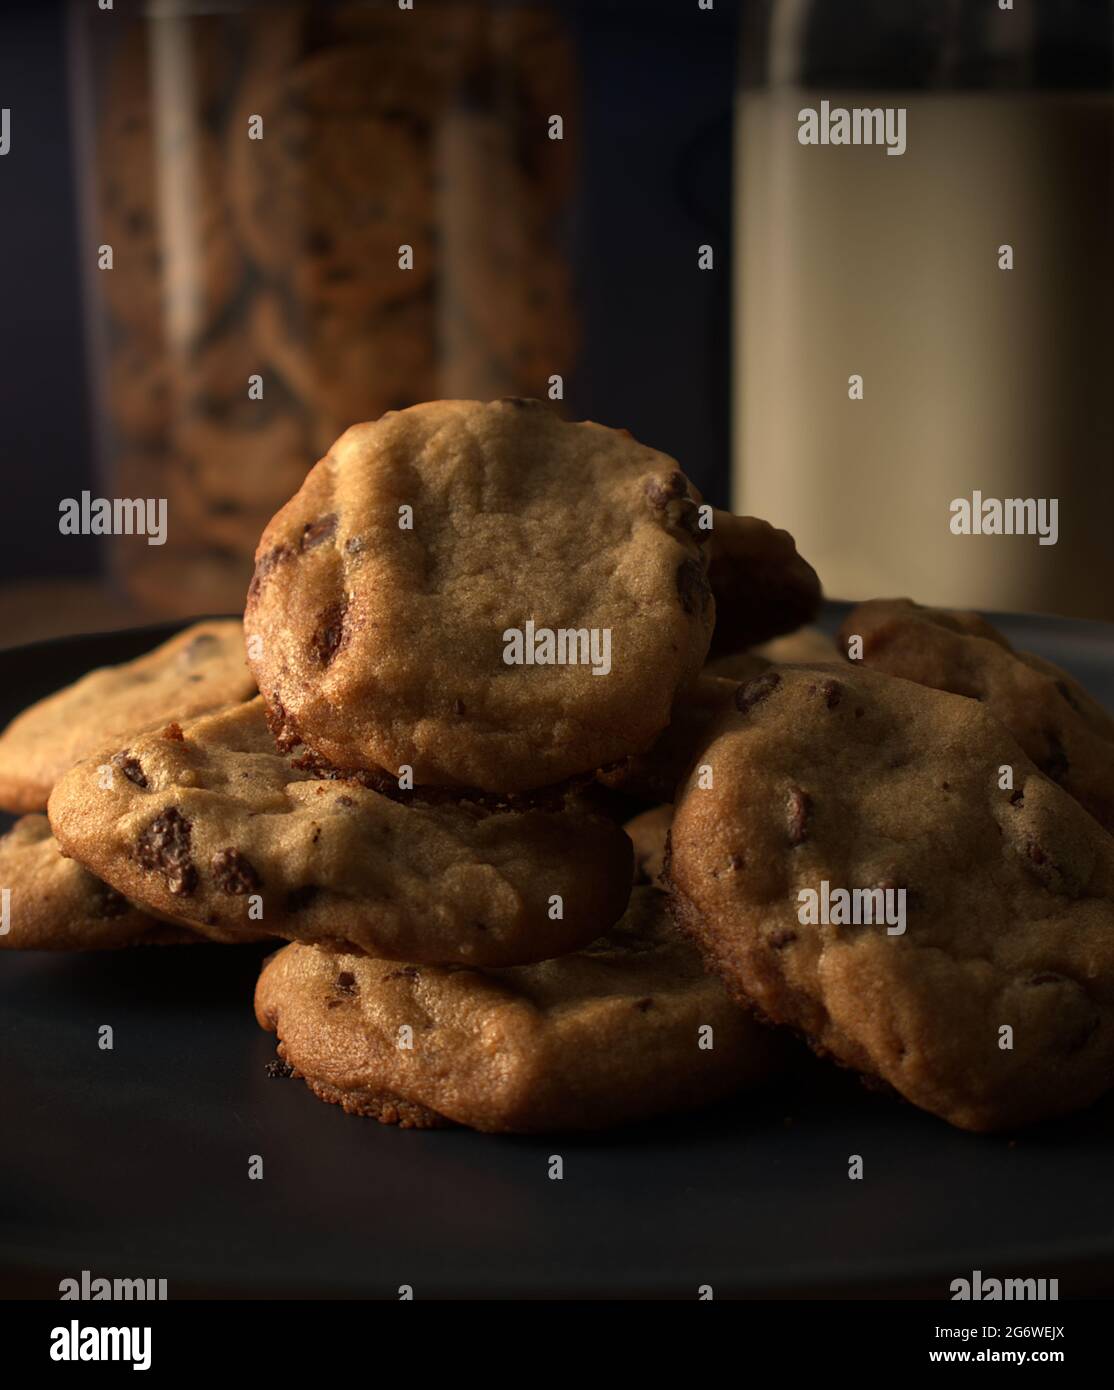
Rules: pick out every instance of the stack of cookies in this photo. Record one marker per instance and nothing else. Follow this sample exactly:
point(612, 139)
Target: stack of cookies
point(480, 640)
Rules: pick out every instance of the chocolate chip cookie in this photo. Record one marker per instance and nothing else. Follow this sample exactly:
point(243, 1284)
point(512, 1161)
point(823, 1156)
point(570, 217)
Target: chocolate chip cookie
point(56, 905)
point(1067, 734)
point(761, 585)
point(486, 594)
point(627, 1028)
point(199, 669)
point(341, 178)
point(206, 822)
point(974, 971)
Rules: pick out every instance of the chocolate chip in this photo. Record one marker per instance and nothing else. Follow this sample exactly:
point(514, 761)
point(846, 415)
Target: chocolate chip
point(780, 939)
point(173, 732)
point(682, 515)
point(130, 767)
point(407, 972)
point(317, 532)
point(832, 692)
point(279, 1069)
point(327, 639)
point(735, 862)
point(164, 847)
point(661, 491)
point(520, 402)
point(266, 563)
point(643, 1004)
point(346, 983)
point(1018, 798)
point(756, 690)
point(458, 708)
point(234, 873)
point(346, 801)
point(798, 809)
point(692, 586)
point(298, 899)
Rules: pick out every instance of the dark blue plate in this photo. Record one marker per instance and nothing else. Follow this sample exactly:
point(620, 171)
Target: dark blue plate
point(134, 1162)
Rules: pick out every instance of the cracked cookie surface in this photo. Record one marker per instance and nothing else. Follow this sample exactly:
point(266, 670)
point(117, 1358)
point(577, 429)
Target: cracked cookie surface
point(604, 1036)
point(842, 775)
point(208, 823)
point(384, 644)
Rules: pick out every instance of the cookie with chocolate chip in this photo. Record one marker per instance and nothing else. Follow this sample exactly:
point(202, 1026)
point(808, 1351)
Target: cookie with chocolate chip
point(56, 905)
point(762, 586)
point(970, 962)
point(627, 1028)
point(1069, 735)
point(199, 669)
point(209, 824)
point(340, 176)
point(482, 593)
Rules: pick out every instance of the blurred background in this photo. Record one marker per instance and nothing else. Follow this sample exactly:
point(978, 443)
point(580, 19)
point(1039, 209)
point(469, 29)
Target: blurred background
point(279, 257)
point(579, 258)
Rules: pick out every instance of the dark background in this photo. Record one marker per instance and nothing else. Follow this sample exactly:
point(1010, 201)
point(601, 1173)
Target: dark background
point(658, 78)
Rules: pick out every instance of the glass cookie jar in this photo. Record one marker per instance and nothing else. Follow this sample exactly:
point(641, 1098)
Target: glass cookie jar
point(297, 217)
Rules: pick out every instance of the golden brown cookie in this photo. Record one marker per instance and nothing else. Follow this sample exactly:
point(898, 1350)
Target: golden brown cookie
point(1067, 734)
point(56, 905)
point(627, 1028)
point(483, 593)
point(762, 586)
point(341, 178)
point(970, 961)
point(199, 669)
point(207, 823)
